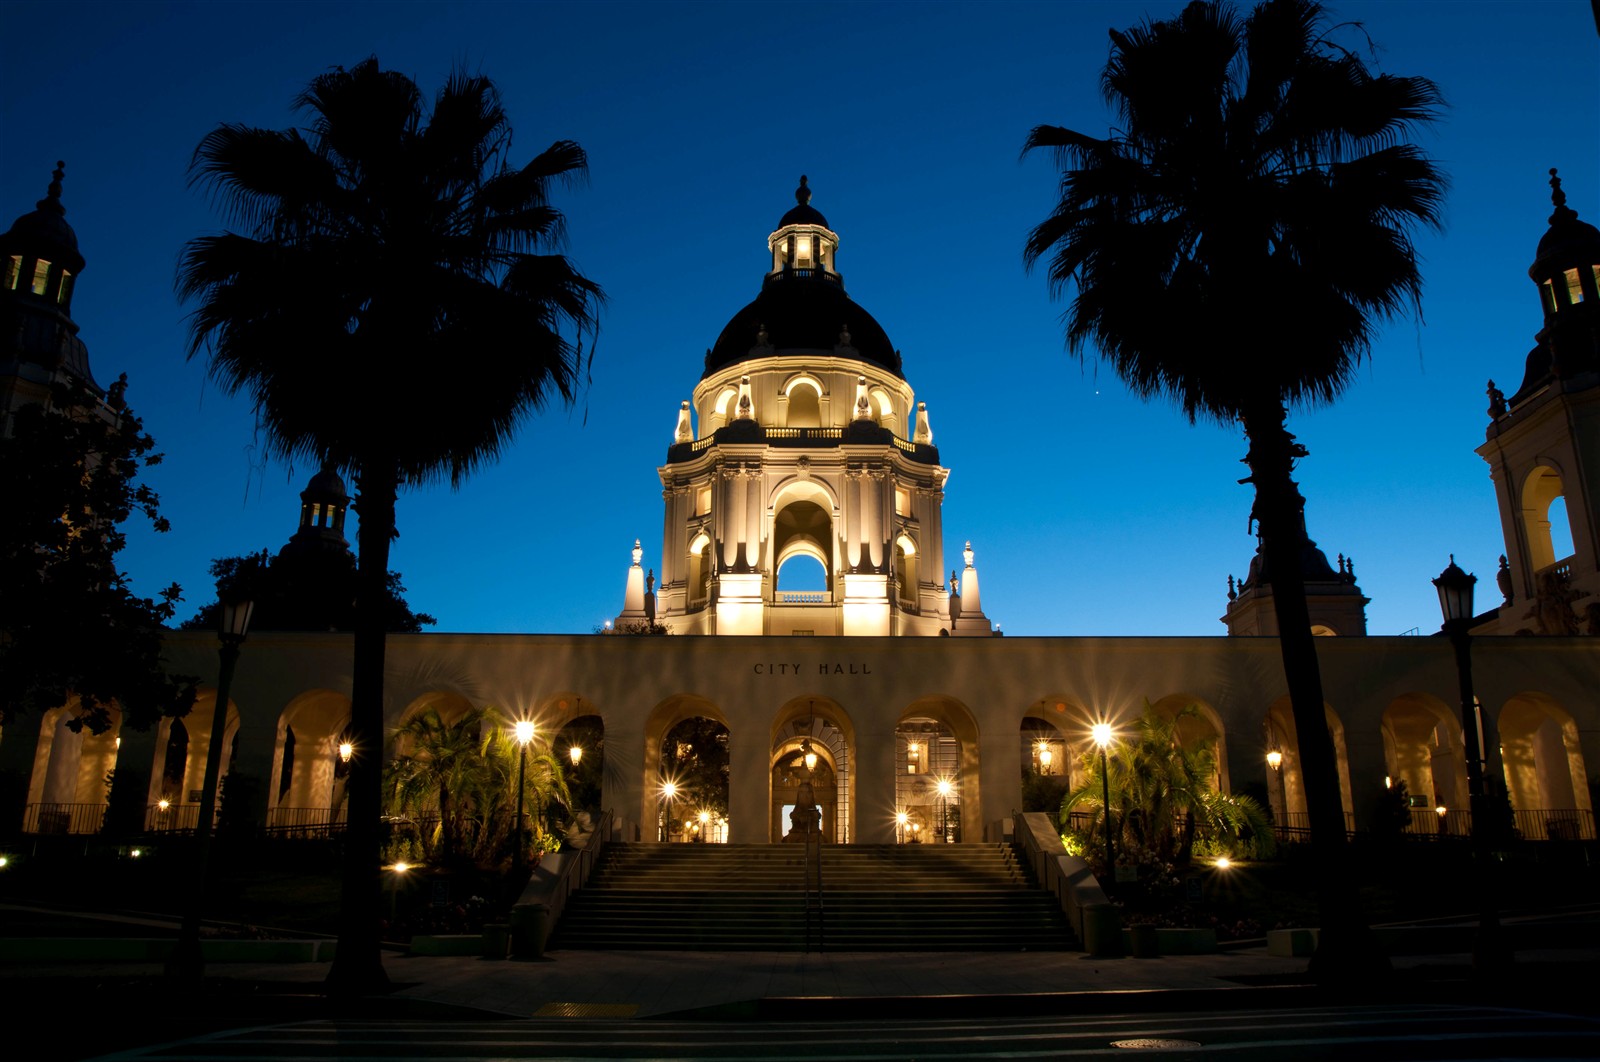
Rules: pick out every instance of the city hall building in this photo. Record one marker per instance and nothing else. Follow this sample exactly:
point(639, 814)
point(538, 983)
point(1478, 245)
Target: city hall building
point(803, 438)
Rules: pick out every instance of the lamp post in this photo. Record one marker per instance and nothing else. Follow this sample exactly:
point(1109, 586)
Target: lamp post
point(945, 789)
point(1102, 738)
point(900, 821)
point(524, 732)
point(669, 791)
point(186, 961)
point(1455, 601)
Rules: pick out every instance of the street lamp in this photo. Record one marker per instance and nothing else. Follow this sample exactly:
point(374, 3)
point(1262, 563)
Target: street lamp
point(1102, 737)
point(900, 820)
point(945, 788)
point(524, 732)
point(669, 792)
point(1455, 602)
point(235, 610)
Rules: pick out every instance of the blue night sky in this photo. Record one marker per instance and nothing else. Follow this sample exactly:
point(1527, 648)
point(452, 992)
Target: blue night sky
point(1090, 511)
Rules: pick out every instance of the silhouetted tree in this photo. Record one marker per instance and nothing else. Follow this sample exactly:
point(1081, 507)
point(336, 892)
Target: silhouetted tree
point(72, 632)
point(393, 306)
point(313, 590)
point(1233, 246)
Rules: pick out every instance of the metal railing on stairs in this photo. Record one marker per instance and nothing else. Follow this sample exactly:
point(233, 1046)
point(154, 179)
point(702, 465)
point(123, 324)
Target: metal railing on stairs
point(814, 908)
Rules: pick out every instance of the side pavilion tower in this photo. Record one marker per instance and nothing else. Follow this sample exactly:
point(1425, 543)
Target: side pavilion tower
point(803, 460)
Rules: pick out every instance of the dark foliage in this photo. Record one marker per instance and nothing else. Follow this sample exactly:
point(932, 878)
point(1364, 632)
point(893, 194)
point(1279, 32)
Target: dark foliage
point(311, 590)
point(72, 632)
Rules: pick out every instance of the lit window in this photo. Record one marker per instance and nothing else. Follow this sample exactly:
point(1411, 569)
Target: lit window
point(41, 272)
point(703, 501)
point(65, 293)
point(1549, 291)
point(13, 270)
point(1574, 289)
point(902, 501)
point(802, 251)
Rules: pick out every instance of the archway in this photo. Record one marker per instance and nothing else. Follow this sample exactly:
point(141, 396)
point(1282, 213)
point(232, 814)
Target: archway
point(805, 403)
point(1544, 769)
point(308, 773)
point(580, 746)
point(686, 764)
point(820, 728)
point(1286, 790)
point(1547, 542)
point(1046, 763)
point(1423, 749)
point(1197, 729)
point(936, 771)
point(905, 572)
point(802, 526)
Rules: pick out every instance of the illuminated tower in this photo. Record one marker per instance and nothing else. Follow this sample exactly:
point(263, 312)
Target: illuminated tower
point(810, 452)
point(1543, 445)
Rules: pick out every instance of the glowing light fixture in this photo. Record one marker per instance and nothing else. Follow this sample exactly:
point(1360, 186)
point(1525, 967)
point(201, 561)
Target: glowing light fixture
point(1223, 863)
point(346, 750)
point(1441, 810)
point(1275, 759)
point(524, 731)
point(669, 790)
point(575, 753)
point(1101, 732)
point(401, 868)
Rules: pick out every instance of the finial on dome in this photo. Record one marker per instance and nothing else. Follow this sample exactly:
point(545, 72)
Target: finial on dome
point(802, 195)
point(1559, 199)
point(52, 198)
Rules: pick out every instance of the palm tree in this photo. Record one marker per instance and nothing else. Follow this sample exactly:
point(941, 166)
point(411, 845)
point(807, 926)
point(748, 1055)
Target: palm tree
point(466, 771)
point(393, 304)
point(1164, 793)
point(1234, 246)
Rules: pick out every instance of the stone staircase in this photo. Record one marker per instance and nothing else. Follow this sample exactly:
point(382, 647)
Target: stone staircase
point(716, 897)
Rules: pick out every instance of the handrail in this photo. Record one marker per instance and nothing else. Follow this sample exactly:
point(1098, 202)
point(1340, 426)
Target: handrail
point(814, 903)
point(561, 874)
point(1066, 876)
point(63, 817)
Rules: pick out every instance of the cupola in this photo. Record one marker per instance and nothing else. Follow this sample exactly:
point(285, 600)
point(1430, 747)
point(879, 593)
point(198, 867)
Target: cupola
point(1567, 264)
point(323, 505)
point(802, 307)
point(39, 254)
point(802, 240)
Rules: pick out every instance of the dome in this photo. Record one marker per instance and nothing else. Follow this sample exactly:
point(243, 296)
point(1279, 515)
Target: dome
point(44, 233)
point(804, 213)
point(802, 313)
point(327, 484)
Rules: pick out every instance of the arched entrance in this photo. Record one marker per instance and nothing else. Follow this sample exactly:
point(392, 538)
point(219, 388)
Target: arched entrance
point(1423, 750)
point(686, 764)
point(817, 731)
point(1544, 769)
point(1198, 729)
point(309, 775)
point(1286, 789)
point(936, 768)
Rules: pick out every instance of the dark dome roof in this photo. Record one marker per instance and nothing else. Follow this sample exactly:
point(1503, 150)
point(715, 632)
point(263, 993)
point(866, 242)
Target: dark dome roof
point(802, 313)
point(804, 213)
point(44, 232)
point(327, 483)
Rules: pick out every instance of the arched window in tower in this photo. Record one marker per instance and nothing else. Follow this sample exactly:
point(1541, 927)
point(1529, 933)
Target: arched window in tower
point(905, 572)
point(13, 271)
point(1544, 518)
point(802, 547)
point(41, 276)
point(883, 406)
point(805, 405)
point(723, 409)
point(699, 588)
point(1574, 287)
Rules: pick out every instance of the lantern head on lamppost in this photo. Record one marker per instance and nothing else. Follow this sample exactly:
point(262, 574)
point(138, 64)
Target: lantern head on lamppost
point(1455, 593)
